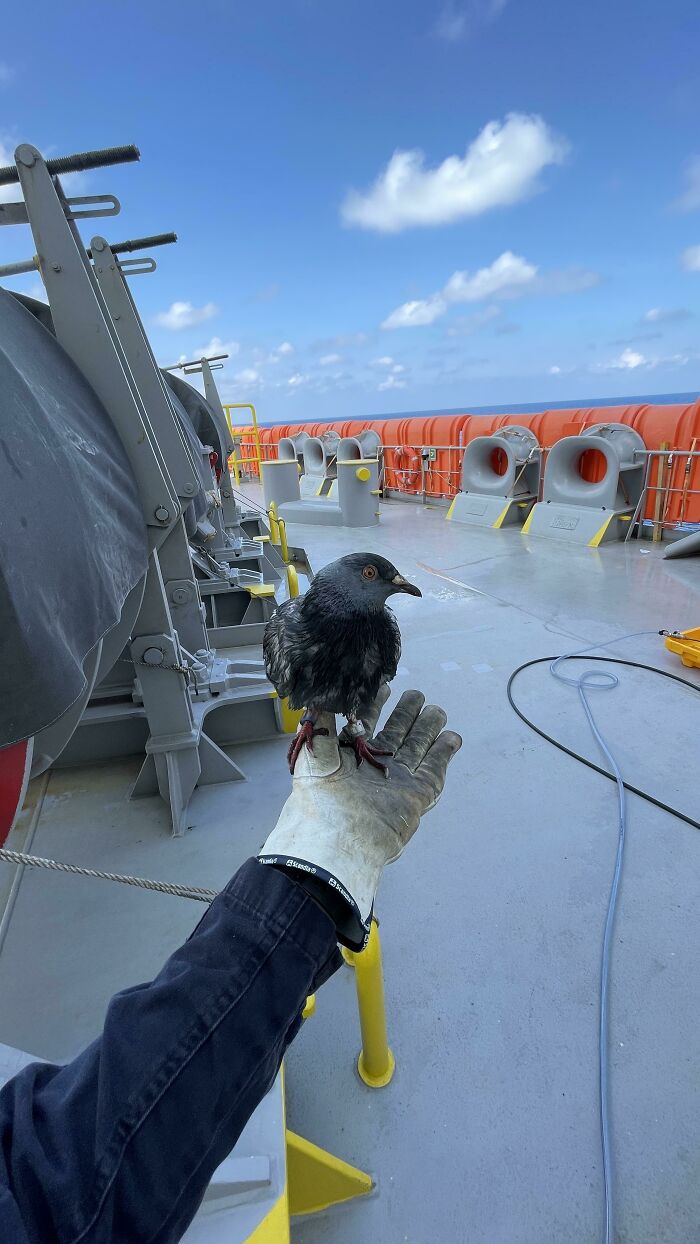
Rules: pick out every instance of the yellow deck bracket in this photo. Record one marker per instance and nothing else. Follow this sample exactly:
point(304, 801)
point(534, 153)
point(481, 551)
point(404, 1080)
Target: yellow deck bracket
point(259, 589)
point(598, 537)
point(502, 516)
point(528, 522)
point(310, 1007)
point(289, 717)
point(375, 1063)
point(317, 1179)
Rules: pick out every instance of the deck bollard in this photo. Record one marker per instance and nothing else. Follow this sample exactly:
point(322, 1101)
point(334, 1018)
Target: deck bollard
point(375, 1063)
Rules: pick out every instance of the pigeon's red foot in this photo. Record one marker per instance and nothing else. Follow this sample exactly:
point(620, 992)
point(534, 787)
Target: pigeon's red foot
point(365, 751)
point(305, 735)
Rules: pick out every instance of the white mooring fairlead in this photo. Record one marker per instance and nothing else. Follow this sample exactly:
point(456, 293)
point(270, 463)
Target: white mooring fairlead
point(578, 510)
point(500, 479)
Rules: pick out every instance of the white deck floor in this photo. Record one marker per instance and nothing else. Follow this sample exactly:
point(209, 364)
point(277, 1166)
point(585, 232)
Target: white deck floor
point(491, 924)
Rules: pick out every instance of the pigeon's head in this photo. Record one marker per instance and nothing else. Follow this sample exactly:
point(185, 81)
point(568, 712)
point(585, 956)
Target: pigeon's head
point(367, 578)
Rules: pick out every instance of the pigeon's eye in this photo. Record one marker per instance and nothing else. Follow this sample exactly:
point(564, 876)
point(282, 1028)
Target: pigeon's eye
point(370, 572)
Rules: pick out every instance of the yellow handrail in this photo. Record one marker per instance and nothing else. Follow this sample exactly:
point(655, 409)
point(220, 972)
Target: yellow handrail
point(284, 549)
point(228, 407)
point(274, 525)
point(292, 581)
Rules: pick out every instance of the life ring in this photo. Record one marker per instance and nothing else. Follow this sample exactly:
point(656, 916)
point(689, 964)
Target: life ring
point(407, 464)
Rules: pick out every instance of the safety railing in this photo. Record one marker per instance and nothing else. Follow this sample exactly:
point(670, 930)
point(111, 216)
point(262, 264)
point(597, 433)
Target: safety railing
point(236, 460)
point(673, 476)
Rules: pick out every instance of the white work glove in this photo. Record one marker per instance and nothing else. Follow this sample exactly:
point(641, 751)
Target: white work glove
point(342, 824)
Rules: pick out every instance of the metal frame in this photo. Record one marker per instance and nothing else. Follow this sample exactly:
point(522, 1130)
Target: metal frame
point(176, 679)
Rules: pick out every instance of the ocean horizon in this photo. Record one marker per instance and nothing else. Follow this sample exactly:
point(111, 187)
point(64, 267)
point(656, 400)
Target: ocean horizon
point(509, 408)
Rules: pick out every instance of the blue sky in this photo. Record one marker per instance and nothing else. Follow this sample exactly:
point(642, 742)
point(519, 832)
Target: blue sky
point(390, 206)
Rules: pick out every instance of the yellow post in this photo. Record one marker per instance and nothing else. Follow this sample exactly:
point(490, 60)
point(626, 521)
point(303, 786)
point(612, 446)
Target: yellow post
point(274, 525)
point(292, 581)
point(289, 717)
point(236, 468)
point(375, 1064)
point(284, 549)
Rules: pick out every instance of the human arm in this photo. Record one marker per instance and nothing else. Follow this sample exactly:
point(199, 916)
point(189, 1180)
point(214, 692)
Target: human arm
point(120, 1144)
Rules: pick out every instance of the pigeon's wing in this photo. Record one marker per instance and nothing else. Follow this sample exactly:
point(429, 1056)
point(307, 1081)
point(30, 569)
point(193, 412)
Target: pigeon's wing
point(388, 652)
point(390, 648)
point(280, 643)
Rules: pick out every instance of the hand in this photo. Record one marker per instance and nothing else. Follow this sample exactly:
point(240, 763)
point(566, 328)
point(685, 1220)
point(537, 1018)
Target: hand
point(342, 824)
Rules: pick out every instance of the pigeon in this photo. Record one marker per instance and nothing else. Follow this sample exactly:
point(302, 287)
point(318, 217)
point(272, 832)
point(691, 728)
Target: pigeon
point(330, 650)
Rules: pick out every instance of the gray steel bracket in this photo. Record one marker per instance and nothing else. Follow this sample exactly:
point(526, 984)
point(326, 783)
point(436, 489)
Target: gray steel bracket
point(84, 329)
point(144, 368)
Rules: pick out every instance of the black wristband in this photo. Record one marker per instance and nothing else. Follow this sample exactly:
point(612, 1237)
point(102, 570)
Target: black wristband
point(331, 896)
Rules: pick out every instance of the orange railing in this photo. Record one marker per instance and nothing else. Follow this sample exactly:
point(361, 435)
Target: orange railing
point(676, 427)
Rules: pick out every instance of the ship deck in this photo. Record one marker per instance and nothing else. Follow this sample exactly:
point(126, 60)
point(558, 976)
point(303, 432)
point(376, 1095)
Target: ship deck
point(491, 923)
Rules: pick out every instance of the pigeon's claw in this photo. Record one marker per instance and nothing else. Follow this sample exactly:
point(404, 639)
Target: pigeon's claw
point(305, 735)
point(365, 751)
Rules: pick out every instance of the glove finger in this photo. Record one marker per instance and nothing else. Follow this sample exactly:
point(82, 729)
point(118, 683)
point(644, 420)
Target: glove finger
point(369, 716)
point(421, 736)
point(432, 769)
point(400, 722)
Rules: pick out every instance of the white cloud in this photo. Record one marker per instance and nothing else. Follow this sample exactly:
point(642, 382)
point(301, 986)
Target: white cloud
point(628, 361)
point(329, 360)
point(217, 346)
point(690, 259)
point(506, 276)
point(385, 361)
point(7, 74)
point(183, 315)
point(666, 315)
point(509, 276)
point(247, 376)
point(297, 379)
point(417, 313)
point(456, 23)
point(555, 371)
point(689, 200)
point(279, 352)
point(500, 167)
point(391, 382)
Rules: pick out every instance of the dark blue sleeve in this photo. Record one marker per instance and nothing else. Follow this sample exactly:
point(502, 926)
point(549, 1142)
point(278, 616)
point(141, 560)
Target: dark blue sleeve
point(118, 1146)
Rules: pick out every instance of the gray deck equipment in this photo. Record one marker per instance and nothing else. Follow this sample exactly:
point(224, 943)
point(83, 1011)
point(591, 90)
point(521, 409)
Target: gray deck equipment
point(500, 479)
point(132, 661)
point(578, 511)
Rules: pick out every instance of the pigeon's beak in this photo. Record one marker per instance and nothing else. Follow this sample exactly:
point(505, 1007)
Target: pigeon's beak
point(403, 585)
